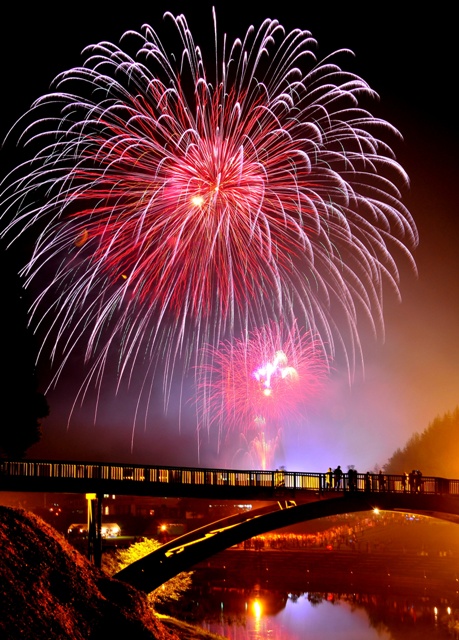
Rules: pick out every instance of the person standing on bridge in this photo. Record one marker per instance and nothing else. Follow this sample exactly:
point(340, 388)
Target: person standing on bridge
point(338, 474)
point(382, 480)
point(368, 481)
point(404, 481)
point(279, 477)
point(419, 482)
point(412, 481)
point(352, 479)
point(329, 479)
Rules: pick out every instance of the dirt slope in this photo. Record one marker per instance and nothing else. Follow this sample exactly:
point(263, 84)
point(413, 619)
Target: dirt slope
point(50, 591)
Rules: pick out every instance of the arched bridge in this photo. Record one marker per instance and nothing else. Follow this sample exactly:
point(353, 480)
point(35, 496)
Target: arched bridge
point(294, 497)
point(181, 554)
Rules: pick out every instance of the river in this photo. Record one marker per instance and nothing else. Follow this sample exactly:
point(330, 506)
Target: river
point(322, 616)
point(249, 595)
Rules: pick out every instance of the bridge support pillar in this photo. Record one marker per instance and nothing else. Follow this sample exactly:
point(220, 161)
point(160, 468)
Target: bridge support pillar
point(95, 528)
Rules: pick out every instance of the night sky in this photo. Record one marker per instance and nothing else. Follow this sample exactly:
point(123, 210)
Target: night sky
point(410, 377)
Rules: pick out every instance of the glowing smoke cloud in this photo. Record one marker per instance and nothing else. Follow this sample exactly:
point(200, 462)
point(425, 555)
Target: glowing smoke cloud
point(176, 204)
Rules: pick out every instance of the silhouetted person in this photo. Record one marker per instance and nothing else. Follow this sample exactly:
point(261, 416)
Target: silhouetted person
point(338, 476)
point(419, 481)
point(352, 479)
point(404, 480)
point(381, 480)
point(279, 478)
point(412, 481)
point(367, 481)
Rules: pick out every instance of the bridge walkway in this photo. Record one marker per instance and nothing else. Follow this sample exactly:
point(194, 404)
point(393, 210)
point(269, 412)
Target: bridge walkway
point(165, 481)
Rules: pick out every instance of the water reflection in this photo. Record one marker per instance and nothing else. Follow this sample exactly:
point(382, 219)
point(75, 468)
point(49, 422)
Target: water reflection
point(375, 576)
point(238, 614)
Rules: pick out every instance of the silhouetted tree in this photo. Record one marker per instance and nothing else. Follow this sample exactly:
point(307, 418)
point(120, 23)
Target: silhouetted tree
point(435, 451)
point(22, 404)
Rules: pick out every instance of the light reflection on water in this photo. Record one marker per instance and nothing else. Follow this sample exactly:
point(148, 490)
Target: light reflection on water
point(301, 619)
point(268, 615)
point(398, 580)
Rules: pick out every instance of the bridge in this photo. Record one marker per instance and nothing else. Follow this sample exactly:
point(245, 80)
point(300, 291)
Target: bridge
point(293, 496)
point(184, 552)
point(53, 476)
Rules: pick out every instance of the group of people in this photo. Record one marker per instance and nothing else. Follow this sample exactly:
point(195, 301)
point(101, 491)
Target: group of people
point(335, 480)
point(413, 480)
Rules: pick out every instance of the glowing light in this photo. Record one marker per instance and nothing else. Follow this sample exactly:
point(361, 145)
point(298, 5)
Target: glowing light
point(181, 205)
point(257, 609)
point(111, 530)
point(265, 373)
point(198, 201)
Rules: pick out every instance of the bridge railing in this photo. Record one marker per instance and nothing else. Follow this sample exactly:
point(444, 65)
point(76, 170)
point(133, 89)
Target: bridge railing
point(276, 480)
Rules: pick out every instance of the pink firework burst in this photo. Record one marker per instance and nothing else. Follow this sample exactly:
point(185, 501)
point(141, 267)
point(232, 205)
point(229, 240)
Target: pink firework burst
point(173, 205)
point(262, 383)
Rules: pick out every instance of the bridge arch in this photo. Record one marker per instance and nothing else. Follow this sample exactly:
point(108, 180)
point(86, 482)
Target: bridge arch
point(184, 552)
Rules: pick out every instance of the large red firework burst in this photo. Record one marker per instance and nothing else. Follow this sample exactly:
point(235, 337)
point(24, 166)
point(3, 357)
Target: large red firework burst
point(173, 205)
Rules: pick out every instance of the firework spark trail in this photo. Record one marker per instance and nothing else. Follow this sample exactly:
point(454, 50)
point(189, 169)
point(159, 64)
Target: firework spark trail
point(181, 206)
point(258, 453)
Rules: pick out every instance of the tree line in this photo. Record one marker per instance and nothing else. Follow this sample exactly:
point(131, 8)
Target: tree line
point(435, 451)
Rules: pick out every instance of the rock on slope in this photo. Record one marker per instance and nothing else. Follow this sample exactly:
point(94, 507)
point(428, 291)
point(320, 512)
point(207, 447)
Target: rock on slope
point(50, 591)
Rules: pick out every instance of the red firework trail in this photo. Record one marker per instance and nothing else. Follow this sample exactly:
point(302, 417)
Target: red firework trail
point(172, 205)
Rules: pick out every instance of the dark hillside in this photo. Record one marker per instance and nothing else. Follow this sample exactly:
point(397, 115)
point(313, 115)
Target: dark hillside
point(49, 590)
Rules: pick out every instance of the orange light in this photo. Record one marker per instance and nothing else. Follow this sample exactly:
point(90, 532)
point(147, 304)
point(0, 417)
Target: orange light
point(257, 609)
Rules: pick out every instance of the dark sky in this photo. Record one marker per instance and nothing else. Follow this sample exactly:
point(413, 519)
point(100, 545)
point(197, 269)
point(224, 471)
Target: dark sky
point(411, 377)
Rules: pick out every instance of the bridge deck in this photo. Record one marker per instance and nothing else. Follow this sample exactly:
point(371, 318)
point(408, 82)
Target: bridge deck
point(129, 479)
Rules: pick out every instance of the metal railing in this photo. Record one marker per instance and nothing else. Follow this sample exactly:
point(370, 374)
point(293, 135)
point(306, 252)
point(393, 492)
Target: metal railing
point(275, 480)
